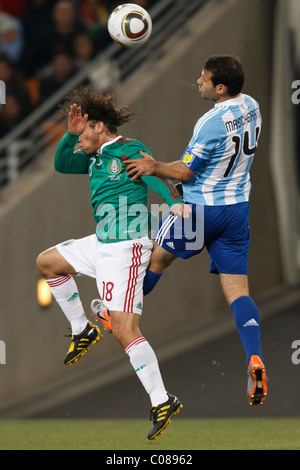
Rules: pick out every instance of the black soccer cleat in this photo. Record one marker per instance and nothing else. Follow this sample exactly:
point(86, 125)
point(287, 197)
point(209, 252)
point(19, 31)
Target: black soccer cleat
point(80, 343)
point(161, 416)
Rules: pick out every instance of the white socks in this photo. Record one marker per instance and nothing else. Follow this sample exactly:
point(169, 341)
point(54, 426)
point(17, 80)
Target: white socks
point(64, 290)
point(141, 355)
point(144, 362)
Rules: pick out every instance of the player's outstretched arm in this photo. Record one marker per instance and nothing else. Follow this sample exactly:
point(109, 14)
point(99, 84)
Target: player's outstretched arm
point(66, 161)
point(148, 166)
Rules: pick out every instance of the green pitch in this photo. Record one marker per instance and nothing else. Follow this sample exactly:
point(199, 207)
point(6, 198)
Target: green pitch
point(181, 434)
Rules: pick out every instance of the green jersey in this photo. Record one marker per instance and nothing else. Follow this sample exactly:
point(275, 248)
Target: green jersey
point(119, 204)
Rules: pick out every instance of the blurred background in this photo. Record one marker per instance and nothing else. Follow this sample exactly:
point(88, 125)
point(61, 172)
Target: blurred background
point(46, 49)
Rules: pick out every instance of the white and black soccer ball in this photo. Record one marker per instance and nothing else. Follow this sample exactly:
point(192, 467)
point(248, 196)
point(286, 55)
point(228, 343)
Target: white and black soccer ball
point(130, 25)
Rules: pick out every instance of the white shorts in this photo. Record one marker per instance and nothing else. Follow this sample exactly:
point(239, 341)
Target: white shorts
point(119, 268)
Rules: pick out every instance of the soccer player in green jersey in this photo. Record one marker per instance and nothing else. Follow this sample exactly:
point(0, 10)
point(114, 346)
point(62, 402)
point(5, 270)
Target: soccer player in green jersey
point(119, 251)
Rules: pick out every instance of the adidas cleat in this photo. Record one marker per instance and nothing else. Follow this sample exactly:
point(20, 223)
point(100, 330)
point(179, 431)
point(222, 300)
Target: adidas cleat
point(80, 343)
point(257, 381)
point(161, 416)
point(100, 312)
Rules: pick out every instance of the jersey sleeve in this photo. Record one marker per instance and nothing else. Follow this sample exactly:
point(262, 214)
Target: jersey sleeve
point(205, 139)
point(161, 186)
point(69, 161)
point(164, 188)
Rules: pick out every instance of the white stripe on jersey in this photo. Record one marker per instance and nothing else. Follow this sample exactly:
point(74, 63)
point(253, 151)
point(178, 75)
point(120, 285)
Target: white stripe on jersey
point(204, 119)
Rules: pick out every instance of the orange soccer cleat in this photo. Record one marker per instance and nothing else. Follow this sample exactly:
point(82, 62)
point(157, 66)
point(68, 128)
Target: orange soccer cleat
point(101, 312)
point(257, 381)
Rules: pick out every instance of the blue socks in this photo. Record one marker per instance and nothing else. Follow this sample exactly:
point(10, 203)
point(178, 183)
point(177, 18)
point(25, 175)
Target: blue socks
point(150, 281)
point(246, 317)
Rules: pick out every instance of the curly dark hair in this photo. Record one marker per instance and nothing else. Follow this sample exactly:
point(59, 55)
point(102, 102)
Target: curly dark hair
point(99, 106)
point(226, 70)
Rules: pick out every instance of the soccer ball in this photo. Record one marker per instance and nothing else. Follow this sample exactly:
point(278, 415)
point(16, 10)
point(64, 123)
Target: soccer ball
point(130, 25)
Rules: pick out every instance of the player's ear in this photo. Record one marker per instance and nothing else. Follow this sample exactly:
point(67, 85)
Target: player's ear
point(99, 127)
point(221, 89)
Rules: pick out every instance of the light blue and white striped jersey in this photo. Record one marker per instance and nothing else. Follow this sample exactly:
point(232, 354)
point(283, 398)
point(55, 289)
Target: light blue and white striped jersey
point(221, 151)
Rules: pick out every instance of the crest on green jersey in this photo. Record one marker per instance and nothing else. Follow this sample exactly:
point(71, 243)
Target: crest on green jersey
point(114, 167)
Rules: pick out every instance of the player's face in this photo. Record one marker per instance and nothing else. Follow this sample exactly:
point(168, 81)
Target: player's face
point(206, 87)
point(89, 141)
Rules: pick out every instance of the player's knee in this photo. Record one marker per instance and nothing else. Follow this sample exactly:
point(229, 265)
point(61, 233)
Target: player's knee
point(40, 262)
point(160, 259)
point(44, 263)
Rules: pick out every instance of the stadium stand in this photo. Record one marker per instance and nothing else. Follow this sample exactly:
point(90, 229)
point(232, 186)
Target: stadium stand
point(57, 45)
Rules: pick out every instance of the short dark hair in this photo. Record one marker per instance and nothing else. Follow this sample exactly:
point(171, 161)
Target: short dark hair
point(226, 70)
point(99, 106)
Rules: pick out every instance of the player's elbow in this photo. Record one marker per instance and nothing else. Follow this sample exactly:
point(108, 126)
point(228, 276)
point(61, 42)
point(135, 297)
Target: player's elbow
point(58, 166)
point(185, 173)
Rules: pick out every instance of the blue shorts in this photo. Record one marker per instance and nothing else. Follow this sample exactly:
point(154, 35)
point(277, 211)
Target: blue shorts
point(223, 230)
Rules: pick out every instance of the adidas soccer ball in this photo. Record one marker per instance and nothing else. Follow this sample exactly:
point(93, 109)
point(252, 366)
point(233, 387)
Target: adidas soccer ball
point(130, 25)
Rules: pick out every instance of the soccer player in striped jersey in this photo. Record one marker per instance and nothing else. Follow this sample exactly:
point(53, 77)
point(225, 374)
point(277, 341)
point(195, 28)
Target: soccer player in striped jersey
point(215, 174)
point(118, 253)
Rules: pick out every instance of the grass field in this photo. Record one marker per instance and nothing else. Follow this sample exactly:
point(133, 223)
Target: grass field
point(182, 434)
